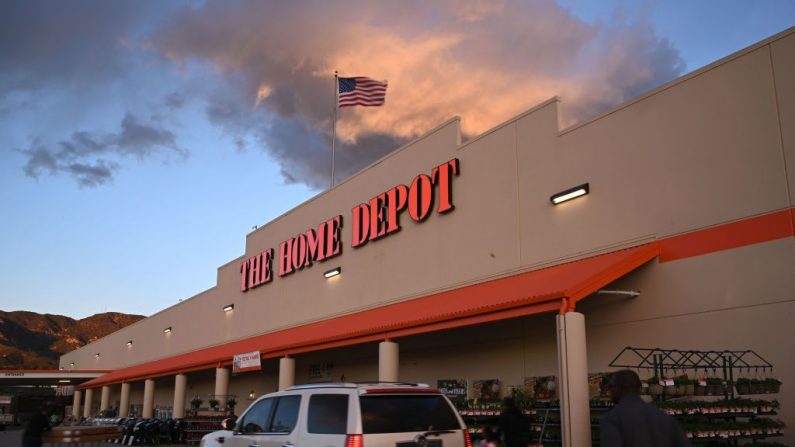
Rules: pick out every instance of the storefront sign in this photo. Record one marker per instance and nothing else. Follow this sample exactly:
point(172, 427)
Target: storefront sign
point(249, 361)
point(375, 219)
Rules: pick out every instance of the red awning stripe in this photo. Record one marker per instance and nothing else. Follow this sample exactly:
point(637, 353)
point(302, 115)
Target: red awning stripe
point(523, 294)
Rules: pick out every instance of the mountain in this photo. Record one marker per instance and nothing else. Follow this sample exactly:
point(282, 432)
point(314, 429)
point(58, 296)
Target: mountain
point(29, 340)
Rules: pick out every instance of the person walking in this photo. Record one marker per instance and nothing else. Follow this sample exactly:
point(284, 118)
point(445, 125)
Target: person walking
point(633, 422)
point(34, 430)
point(512, 424)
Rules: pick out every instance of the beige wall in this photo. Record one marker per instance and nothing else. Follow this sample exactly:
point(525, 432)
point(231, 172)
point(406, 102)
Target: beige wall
point(710, 148)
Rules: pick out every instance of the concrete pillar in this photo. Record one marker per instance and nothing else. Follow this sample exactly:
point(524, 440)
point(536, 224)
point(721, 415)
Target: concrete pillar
point(149, 398)
point(221, 385)
point(124, 401)
point(388, 361)
point(76, 404)
point(180, 386)
point(104, 399)
point(575, 409)
point(286, 372)
point(87, 405)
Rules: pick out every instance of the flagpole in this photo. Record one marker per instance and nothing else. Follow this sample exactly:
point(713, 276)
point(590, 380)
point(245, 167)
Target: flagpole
point(334, 124)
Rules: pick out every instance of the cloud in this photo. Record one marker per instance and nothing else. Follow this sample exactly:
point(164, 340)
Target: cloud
point(93, 158)
point(65, 43)
point(263, 73)
point(482, 60)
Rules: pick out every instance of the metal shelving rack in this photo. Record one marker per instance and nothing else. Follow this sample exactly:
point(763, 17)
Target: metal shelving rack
point(660, 360)
point(727, 362)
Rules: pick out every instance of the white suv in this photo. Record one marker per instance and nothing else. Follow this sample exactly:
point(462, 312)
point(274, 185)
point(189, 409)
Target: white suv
point(347, 415)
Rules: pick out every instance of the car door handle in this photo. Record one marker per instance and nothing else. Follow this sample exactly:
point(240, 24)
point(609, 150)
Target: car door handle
point(253, 444)
point(287, 444)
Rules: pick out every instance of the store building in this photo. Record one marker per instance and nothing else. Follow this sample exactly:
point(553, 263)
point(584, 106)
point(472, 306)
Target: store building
point(455, 263)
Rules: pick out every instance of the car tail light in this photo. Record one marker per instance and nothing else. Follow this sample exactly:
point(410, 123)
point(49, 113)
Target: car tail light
point(467, 439)
point(358, 441)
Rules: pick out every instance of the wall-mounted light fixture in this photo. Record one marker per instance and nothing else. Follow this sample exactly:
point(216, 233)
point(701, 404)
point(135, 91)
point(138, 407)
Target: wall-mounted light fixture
point(96, 356)
point(333, 272)
point(129, 344)
point(167, 330)
point(229, 307)
point(572, 193)
point(251, 394)
point(72, 364)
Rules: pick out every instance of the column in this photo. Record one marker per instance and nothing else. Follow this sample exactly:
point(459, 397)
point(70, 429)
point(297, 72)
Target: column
point(87, 405)
point(575, 409)
point(286, 372)
point(221, 385)
point(388, 361)
point(149, 398)
point(180, 386)
point(124, 404)
point(104, 398)
point(76, 404)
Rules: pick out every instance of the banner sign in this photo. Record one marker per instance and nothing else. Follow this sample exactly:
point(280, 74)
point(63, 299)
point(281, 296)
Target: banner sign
point(64, 390)
point(249, 361)
point(320, 372)
point(454, 389)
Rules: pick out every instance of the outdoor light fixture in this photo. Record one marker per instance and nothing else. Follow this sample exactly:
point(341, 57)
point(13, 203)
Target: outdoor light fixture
point(64, 381)
point(251, 394)
point(96, 356)
point(333, 272)
point(72, 364)
point(229, 307)
point(129, 344)
point(569, 194)
point(167, 330)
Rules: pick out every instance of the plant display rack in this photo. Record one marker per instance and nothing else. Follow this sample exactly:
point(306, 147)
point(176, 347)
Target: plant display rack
point(542, 417)
point(198, 426)
point(720, 420)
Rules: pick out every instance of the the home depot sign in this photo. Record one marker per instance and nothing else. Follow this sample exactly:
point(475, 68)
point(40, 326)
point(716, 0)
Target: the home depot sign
point(375, 219)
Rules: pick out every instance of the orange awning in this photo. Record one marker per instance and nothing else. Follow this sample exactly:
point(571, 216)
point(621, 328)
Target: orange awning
point(543, 290)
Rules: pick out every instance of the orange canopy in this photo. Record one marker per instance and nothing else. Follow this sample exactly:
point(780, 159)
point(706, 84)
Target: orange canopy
point(547, 289)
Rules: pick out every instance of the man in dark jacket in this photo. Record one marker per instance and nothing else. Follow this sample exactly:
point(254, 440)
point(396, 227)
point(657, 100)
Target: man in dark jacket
point(633, 422)
point(32, 435)
point(512, 424)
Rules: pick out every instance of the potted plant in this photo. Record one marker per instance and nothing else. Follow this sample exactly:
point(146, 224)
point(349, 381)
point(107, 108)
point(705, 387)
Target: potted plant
point(230, 403)
point(196, 402)
point(213, 403)
point(743, 386)
point(772, 385)
point(715, 386)
point(655, 389)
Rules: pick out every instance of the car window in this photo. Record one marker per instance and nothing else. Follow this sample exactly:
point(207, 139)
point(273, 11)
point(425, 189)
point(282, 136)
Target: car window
point(285, 415)
point(256, 419)
point(406, 413)
point(328, 414)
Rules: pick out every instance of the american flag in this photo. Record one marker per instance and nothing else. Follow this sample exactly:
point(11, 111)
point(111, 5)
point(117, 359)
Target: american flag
point(360, 91)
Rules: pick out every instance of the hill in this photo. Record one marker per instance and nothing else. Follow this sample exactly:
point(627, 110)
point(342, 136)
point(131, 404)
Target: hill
point(29, 340)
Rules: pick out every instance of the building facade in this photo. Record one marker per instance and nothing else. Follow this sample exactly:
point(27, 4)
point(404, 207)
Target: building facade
point(454, 262)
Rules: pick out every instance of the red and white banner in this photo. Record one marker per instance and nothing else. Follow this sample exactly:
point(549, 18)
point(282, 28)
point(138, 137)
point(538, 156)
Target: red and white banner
point(249, 361)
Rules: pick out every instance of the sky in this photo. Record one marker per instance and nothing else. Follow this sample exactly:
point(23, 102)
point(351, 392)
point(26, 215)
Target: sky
point(141, 141)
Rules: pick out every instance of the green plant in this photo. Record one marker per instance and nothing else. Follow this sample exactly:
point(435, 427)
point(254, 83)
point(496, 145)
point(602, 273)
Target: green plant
point(231, 402)
point(213, 403)
point(196, 402)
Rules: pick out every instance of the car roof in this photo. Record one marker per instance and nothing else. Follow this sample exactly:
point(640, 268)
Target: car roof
point(370, 387)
